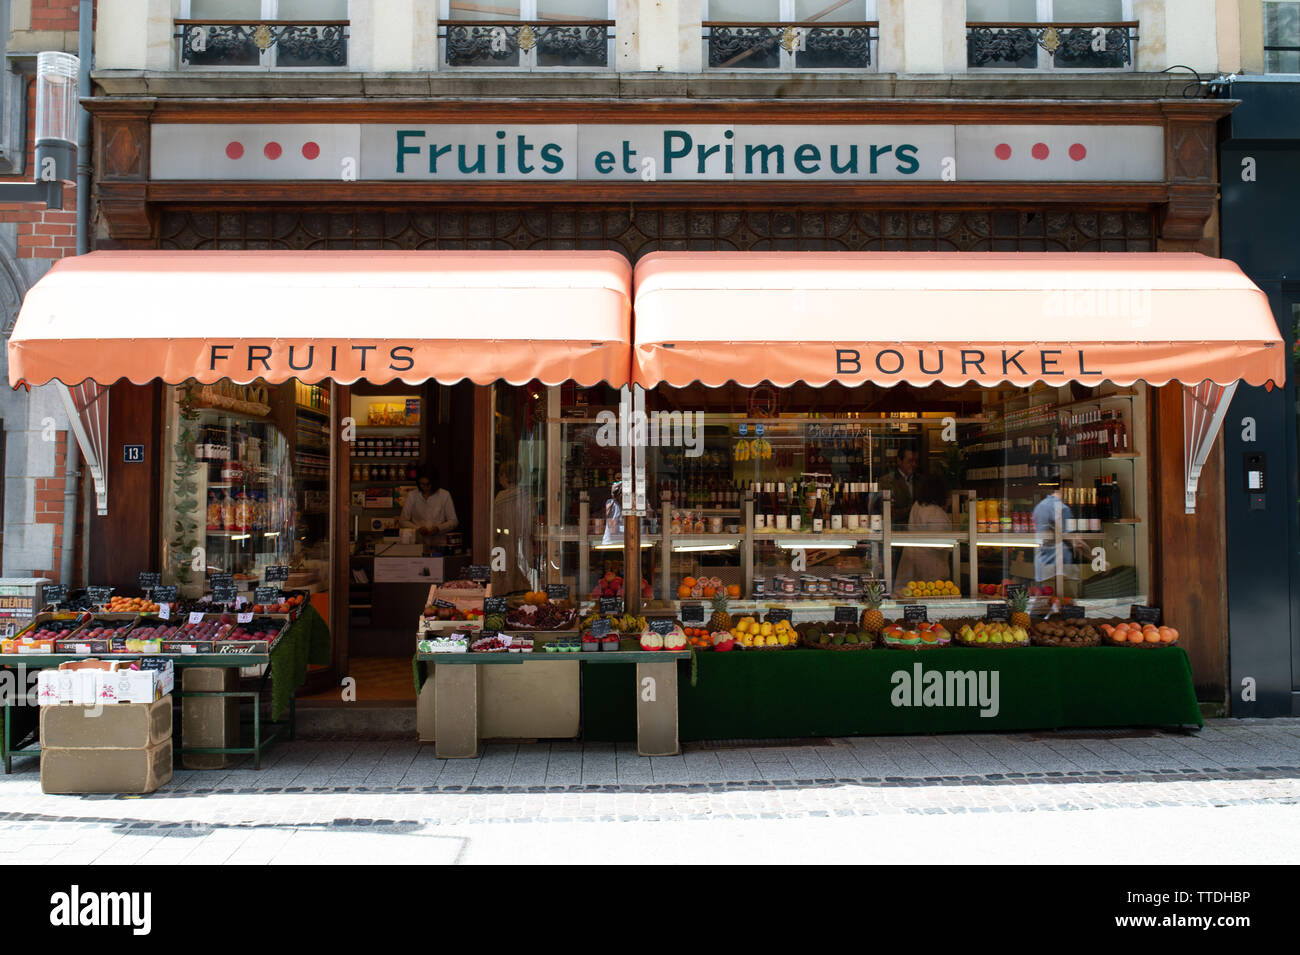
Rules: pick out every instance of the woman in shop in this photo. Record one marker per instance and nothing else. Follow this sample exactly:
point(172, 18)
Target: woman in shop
point(430, 511)
point(927, 514)
point(512, 524)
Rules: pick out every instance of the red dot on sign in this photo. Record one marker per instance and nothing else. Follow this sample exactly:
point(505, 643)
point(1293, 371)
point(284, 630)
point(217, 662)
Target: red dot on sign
point(234, 150)
point(1078, 151)
point(272, 150)
point(310, 150)
point(1039, 151)
point(1002, 151)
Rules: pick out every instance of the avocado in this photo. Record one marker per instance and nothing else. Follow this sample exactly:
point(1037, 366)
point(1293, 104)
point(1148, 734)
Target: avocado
point(851, 638)
point(839, 640)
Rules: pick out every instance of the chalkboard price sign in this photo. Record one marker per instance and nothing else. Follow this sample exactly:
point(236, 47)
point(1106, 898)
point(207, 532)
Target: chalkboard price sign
point(693, 613)
point(55, 593)
point(165, 595)
point(847, 614)
point(777, 614)
point(479, 572)
point(223, 593)
point(557, 591)
point(915, 613)
point(276, 572)
point(611, 604)
point(99, 595)
point(661, 626)
point(600, 628)
point(266, 595)
point(1073, 612)
point(495, 604)
point(1146, 614)
point(1000, 611)
point(446, 604)
point(148, 580)
point(1013, 590)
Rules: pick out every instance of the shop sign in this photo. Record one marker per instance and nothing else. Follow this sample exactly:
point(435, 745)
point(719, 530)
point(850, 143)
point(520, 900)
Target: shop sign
point(133, 454)
point(919, 363)
point(20, 605)
point(470, 152)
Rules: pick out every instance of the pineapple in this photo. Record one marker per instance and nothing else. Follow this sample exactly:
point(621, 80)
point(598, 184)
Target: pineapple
point(721, 619)
point(1020, 609)
point(873, 621)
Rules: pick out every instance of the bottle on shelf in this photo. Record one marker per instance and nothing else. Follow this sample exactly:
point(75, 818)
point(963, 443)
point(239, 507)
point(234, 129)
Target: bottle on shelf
point(756, 494)
point(818, 515)
point(851, 507)
point(781, 508)
point(837, 513)
point(793, 511)
point(1070, 518)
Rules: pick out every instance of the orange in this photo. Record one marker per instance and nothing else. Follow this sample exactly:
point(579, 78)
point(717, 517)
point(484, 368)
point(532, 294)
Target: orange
point(683, 592)
point(688, 582)
point(733, 590)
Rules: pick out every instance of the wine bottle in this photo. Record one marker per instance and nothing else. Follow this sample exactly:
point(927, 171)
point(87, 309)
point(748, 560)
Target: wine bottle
point(794, 511)
point(1095, 523)
point(756, 495)
point(837, 514)
point(1070, 520)
point(782, 508)
point(851, 507)
point(818, 515)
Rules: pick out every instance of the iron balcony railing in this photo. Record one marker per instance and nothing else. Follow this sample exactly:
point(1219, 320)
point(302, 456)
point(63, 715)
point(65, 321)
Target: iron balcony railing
point(1037, 46)
point(844, 45)
point(524, 44)
point(266, 43)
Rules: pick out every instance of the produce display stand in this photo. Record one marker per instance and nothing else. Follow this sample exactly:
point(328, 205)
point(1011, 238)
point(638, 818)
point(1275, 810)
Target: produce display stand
point(655, 702)
point(305, 641)
point(802, 693)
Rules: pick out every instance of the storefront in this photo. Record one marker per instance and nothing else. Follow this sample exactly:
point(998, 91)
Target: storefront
point(951, 450)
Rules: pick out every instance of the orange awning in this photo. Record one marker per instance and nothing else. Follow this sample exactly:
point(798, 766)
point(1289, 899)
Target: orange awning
point(316, 315)
point(950, 317)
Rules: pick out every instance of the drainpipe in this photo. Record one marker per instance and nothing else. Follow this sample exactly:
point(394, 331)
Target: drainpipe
point(72, 467)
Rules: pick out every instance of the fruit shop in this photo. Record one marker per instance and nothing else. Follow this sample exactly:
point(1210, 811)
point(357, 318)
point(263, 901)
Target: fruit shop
point(970, 427)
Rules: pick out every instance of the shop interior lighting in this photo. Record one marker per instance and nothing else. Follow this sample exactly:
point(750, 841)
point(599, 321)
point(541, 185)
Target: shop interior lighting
point(619, 546)
point(817, 545)
point(240, 537)
point(694, 548)
point(924, 544)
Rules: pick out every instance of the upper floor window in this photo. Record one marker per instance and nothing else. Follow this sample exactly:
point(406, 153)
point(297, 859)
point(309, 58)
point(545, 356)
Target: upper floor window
point(528, 34)
point(269, 34)
point(790, 34)
point(1281, 36)
point(1050, 34)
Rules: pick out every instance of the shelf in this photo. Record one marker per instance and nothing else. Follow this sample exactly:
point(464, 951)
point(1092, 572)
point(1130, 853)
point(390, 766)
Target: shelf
point(381, 429)
point(303, 409)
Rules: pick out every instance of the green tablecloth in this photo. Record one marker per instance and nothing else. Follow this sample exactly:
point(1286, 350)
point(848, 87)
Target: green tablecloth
point(307, 641)
point(800, 693)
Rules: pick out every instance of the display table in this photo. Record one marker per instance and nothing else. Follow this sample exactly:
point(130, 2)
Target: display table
point(461, 703)
point(305, 641)
point(802, 693)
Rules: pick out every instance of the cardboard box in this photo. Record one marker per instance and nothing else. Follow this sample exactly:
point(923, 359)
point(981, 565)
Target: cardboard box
point(132, 726)
point(209, 722)
point(92, 682)
point(139, 770)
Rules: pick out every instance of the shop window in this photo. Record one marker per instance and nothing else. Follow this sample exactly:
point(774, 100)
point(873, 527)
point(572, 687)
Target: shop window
point(1281, 36)
point(527, 34)
point(246, 485)
point(790, 35)
point(1050, 34)
point(266, 34)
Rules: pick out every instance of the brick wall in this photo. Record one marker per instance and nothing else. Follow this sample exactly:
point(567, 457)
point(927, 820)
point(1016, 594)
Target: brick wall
point(54, 15)
point(42, 233)
point(49, 505)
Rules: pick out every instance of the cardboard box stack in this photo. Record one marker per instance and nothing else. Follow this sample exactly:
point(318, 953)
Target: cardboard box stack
point(106, 727)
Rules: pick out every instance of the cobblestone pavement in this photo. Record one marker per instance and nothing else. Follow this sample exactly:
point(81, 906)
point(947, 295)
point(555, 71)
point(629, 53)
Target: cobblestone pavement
point(1228, 793)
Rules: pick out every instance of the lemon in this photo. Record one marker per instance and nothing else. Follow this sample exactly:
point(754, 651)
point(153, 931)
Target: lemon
point(766, 629)
point(742, 627)
point(784, 640)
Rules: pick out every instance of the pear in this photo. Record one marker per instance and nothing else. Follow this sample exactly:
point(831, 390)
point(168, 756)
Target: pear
point(982, 638)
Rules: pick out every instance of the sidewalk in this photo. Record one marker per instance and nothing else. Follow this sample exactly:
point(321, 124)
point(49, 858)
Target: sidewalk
point(1070, 796)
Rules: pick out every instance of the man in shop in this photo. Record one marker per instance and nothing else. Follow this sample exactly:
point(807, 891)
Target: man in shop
point(614, 515)
point(430, 511)
point(1050, 514)
point(901, 483)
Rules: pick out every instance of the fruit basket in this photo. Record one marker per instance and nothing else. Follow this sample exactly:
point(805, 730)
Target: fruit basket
point(835, 636)
point(923, 635)
point(997, 635)
point(541, 617)
point(1057, 632)
point(1151, 636)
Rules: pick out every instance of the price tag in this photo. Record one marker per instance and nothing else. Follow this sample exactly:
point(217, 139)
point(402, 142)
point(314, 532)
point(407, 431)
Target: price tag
point(1146, 614)
point(447, 604)
point(276, 572)
point(693, 613)
point(244, 618)
point(846, 614)
point(148, 580)
point(1073, 612)
point(557, 591)
point(221, 580)
point(266, 595)
point(165, 595)
point(611, 604)
point(164, 611)
point(55, 594)
point(1014, 590)
point(777, 614)
point(662, 626)
point(99, 595)
point(189, 648)
point(999, 611)
point(196, 617)
point(600, 628)
point(495, 604)
point(479, 572)
point(223, 594)
point(915, 613)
